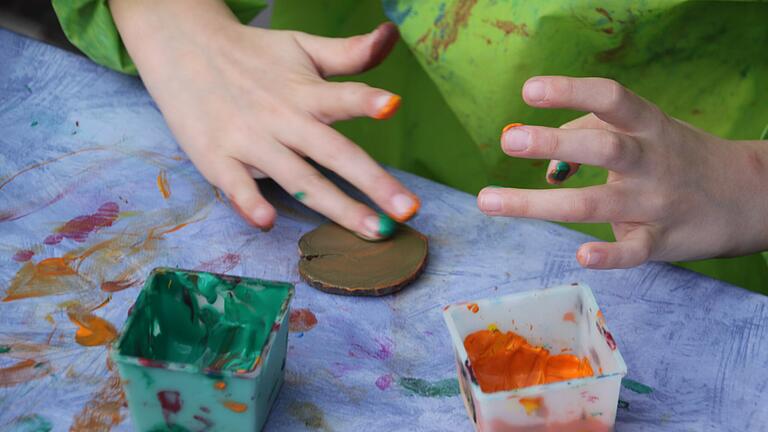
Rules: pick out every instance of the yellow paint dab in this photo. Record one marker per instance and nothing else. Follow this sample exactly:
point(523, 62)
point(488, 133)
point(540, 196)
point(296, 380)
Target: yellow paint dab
point(235, 406)
point(531, 405)
point(492, 327)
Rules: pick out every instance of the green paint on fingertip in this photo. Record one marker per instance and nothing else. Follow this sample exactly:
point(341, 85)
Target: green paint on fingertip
point(300, 195)
point(4, 349)
point(387, 226)
point(562, 169)
point(636, 386)
point(443, 388)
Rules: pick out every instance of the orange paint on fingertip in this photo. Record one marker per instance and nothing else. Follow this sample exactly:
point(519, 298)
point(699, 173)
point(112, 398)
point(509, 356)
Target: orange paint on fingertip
point(510, 126)
point(410, 213)
point(389, 109)
point(235, 406)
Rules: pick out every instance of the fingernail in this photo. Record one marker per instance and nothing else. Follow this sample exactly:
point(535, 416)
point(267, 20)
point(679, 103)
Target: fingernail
point(379, 227)
point(560, 172)
point(510, 126)
point(516, 140)
point(593, 258)
point(405, 207)
point(490, 201)
point(260, 215)
point(387, 106)
point(535, 91)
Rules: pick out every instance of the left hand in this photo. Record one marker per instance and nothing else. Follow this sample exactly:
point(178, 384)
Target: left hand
point(673, 193)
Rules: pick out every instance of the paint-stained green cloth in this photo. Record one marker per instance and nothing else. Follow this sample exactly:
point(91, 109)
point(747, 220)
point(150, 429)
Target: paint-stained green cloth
point(463, 62)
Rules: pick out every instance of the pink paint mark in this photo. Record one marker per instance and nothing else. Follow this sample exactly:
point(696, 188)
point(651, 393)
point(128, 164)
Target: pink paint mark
point(151, 363)
point(382, 352)
point(301, 320)
point(170, 401)
point(23, 255)
point(79, 228)
point(222, 264)
point(589, 397)
point(383, 382)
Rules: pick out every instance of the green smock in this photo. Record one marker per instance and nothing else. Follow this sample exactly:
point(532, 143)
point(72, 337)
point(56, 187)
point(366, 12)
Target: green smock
point(463, 63)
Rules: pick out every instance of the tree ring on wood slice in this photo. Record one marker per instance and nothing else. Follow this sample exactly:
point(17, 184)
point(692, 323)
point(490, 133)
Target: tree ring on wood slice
point(334, 260)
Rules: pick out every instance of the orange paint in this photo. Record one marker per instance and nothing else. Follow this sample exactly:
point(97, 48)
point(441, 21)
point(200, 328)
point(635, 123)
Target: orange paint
point(510, 126)
point(162, 184)
point(49, 276)
point(102, 412)
point(23, 371)
point(92, 330)
point(389, 109)
point(506, 361)
point(235, 406)
point(473, 307)
point(118, 285)
point(531, 405)
point(219, 385)
point(411, 211)
point(569, 316)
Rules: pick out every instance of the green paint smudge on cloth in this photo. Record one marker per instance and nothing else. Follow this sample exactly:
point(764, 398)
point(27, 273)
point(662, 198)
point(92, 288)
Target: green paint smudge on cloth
point(419, 387)
point(4, 349)
point(636, 386)
point(32, 423)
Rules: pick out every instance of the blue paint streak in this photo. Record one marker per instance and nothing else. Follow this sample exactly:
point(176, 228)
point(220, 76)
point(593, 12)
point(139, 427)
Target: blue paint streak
point(440, 13)
point(393, 12)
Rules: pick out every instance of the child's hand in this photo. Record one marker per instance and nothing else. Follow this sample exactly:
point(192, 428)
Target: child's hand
point(673, 193)
point(246, 102)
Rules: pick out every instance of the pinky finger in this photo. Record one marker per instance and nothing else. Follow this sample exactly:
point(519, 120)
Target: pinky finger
point(560, 171)
point(634, 249)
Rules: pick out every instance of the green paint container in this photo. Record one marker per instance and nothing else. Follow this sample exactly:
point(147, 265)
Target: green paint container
point(202, 351)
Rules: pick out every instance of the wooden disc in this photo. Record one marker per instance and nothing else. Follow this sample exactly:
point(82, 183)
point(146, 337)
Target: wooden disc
point(334, 260)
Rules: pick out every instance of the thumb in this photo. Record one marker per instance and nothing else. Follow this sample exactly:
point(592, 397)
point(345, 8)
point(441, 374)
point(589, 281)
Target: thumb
point(348, 56)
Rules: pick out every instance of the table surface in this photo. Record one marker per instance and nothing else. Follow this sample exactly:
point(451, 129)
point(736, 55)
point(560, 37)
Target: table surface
point(81, 144)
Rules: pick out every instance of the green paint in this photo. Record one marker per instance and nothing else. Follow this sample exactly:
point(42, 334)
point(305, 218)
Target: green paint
point(623, 404)
point(300, 195)
point(561, 171)
point(387, 226)
point(4, 349)
point(32, 423)
point(202, 319)
point(419, 387)
point(34, 123)
point(635, 386)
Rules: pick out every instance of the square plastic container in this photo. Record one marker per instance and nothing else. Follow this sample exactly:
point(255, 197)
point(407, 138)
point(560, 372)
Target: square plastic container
point(202, 351)
point(564, 318)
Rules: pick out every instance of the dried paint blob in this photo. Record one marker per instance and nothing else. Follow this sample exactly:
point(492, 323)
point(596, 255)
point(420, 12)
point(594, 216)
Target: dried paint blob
point(301, 320)
point(506, 361)
point(336, 261)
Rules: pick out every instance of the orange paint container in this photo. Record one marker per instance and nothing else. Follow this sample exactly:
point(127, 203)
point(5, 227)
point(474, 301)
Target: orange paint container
point(564, 319)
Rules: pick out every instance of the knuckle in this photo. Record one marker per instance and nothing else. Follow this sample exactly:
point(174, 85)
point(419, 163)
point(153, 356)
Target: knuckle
point(611, 149)
point(617, 94)
point(548, 142)
point(582, 208)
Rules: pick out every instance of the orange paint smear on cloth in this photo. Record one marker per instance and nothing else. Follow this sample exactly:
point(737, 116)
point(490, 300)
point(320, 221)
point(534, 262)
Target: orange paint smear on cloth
point(506, 361)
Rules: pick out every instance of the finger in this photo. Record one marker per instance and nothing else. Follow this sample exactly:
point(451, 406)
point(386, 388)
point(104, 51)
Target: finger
point(634, 249)
point(598, 147)
point(591, 204)
point(346, 100)
point(588, 121)
point(334, 151)
point(352, 55)
point(235, 180)
point(309, 186)
point(607, 99)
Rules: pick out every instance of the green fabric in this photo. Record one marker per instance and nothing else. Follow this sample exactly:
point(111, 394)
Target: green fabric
point(89, 26)
point(702, 62)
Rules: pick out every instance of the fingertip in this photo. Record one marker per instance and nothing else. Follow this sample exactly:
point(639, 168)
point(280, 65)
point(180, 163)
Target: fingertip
point(590, 256)
point(405, 207)
point(489, 201)
point(261, 216)
point(535, 90)
point(560, 171)
point(386, 106)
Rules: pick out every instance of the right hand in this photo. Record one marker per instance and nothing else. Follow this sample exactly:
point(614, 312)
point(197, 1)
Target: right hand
point(245, 102)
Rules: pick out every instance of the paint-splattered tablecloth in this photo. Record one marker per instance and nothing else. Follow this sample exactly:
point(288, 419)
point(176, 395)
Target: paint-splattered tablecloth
point(94, 192)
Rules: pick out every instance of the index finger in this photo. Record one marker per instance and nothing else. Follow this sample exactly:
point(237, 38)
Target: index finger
point(607, 99)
